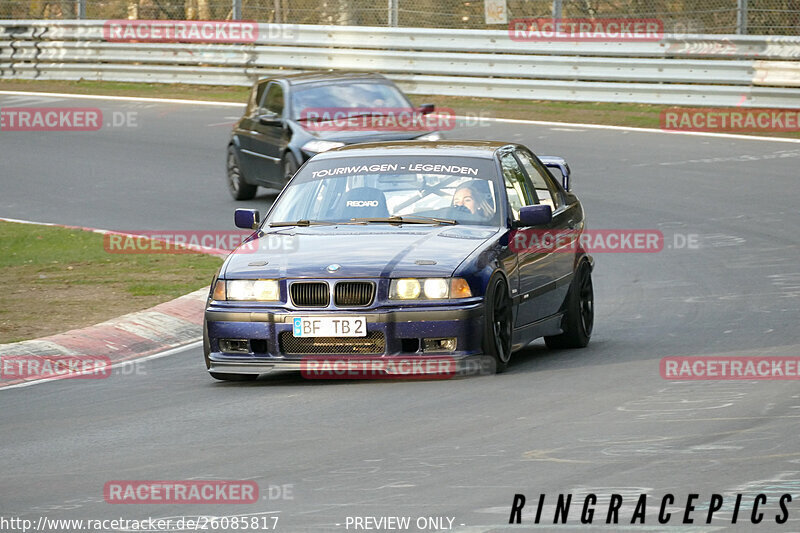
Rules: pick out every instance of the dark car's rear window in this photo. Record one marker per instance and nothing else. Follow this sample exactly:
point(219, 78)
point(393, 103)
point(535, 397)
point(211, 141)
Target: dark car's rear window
point(363, 94)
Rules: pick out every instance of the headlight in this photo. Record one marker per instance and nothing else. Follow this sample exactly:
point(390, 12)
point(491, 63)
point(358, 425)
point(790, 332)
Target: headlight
point(321, 146)
point(429, 289)
point(261, 290)
point(435, 136)
point(436, 288)
point(404, 289)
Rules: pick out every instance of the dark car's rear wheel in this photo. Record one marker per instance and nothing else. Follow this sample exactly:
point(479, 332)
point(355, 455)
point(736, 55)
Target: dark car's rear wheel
point(497, 328)
point(290, 166)
point(238, 187)
point(233, 377)
point(578, 320)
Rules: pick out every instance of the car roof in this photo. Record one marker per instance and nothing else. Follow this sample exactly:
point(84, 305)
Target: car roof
point(479, 149)
point(326, 76)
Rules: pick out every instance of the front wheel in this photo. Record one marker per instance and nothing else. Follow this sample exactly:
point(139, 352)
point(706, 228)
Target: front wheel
point(238, 187)
point(498, 327)
point(578, 320)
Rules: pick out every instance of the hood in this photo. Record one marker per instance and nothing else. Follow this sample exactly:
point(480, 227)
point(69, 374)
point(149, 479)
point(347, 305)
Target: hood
point(358, 136)
point(360, 251)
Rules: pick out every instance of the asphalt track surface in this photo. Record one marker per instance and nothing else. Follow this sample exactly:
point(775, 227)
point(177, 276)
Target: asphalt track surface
point(598, 420)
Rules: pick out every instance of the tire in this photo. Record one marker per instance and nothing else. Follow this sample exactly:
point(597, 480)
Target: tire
point(498, 325)
point(233, 377)
point(290, 166)
point(578, 320)
point(237, 185)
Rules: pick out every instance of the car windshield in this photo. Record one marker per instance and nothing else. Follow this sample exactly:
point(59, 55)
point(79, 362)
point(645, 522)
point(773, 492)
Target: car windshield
point(363, 94)
point(440, 190)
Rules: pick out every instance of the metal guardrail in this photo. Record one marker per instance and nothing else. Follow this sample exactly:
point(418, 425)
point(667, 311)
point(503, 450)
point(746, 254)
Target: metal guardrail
point(709, 70)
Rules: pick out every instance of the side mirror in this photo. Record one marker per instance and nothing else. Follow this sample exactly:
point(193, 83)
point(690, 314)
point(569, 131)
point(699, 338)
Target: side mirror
point(535, 215)
point(270, 119)
point(246, 218)
point(559, 163)
point(427, 109)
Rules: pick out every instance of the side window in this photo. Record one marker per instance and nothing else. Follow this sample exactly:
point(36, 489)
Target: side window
point(546, 189)
point(517, 188)
point(272, 100)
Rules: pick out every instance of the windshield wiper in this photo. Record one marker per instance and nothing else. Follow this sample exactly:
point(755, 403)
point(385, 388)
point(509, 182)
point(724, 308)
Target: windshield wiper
point(406, 220)
point(303, 223)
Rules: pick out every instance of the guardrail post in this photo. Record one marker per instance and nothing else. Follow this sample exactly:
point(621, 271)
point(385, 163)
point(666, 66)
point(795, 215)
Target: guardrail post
point(236, 13)
point(741, 17)
point(556, 9)
point(81, 9)
point(392, 16)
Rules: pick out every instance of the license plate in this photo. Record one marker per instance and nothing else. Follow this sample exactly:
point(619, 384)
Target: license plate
point(309, 326)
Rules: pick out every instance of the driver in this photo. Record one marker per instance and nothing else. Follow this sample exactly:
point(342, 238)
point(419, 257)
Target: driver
point(468, 197)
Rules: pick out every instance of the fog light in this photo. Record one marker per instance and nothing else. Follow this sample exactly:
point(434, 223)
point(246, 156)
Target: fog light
point(447, 344)
point(234, 346)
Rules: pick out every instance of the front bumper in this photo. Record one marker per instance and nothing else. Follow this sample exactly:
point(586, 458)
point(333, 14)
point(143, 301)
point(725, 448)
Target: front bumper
point(402, 331)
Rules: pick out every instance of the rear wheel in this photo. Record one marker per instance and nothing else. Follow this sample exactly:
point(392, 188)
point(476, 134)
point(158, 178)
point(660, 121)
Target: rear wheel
point(233, 377)
point(238, 187)
point(498, 327)
point(578, 320)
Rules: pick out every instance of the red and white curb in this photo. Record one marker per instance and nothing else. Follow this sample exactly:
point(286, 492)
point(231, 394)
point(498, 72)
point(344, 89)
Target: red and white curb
point(168, 325)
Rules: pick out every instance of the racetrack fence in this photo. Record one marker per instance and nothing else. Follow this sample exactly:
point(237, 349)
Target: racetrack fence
point(702, 70)
point(754, 17)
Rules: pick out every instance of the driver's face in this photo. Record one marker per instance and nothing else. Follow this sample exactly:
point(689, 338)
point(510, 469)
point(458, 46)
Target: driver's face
point(464, 197)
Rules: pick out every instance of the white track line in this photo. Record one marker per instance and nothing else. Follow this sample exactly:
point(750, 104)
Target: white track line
point(196, 248)
point(643, 130)
point(503, 120)
point(171, 351)
point(126, 98)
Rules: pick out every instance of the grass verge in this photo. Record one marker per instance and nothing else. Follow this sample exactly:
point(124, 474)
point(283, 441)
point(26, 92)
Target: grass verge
point(58, 279)
point(634, 115)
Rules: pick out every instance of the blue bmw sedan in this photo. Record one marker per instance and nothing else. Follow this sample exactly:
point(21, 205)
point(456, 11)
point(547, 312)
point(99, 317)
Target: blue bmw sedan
point(449, 250)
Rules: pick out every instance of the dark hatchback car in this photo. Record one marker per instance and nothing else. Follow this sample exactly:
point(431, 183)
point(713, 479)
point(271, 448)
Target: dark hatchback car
point(415, 250)
point(277, 133)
